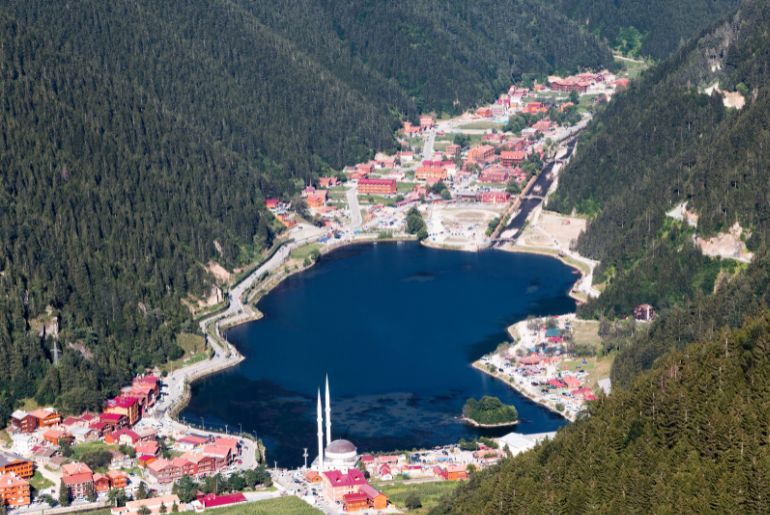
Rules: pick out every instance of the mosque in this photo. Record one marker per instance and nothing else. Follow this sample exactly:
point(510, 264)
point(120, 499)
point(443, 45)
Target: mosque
point(339, 454)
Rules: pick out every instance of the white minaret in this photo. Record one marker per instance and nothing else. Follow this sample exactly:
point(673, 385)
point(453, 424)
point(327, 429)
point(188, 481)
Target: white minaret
point(328, 414)
point(319, 419)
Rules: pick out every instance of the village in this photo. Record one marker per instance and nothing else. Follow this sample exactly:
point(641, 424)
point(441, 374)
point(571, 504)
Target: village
point(466, 176)
point(463, 174)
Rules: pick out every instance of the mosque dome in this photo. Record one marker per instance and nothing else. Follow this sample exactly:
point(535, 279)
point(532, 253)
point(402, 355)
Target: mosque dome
point(341, 447)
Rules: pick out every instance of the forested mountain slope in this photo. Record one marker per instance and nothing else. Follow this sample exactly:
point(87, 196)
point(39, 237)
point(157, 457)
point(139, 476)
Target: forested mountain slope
point(690, 436)
point(664, 143)
point(654, 28)
point(138, 138)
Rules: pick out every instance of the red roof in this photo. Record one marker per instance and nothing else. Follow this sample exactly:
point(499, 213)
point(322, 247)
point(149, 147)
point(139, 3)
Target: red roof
point(77, 479)
point(111, 417)
point(356, 497)
point(379, 182)
point(123, 401)
point(354, 477)
point(213, 500)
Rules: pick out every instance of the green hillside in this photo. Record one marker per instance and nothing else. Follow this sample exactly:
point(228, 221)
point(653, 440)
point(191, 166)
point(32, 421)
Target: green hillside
point(664, 143)
point(138, 139)
point(690, 436)
point(653, 28)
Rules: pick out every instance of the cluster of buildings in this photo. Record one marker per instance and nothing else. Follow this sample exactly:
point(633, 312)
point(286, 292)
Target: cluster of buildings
point(202, 456)
point(15, 473)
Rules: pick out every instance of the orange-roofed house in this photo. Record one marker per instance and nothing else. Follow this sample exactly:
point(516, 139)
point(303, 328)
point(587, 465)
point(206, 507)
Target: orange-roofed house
point(271, 203)
point(426, 121)
point(14, 490)
point(374, 498)
point(431, 174)
point(481, 153)
point(312, 477)
point(354, 502)
point(221, 455)
point(542, 125)
point(54, 435)
point(46, 417)
point(535, 108)
point(118, 479)
point(512, 157)
point(316, 199)
point(230, 443)
point(147, 448)
point(204, 465)
point(78, 478)
point(484, 112)
point(328, 182)
point(456, 473)
point(14, 464)
point(101, 482)
point(127, 406)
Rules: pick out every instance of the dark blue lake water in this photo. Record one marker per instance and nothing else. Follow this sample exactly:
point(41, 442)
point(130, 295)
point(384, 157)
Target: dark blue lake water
point(396, 326)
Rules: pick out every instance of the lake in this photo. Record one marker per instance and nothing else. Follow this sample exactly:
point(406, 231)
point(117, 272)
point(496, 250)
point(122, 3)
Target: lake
point(396, 326)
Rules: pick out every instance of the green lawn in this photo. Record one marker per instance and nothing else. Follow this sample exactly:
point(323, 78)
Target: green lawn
point(429, 493)
point(288, 505)
point(78, 450)
point(38, 482)
point(377, 199)
point(405, 187)
point(194, 347)
point(305, 251)
point(480, 125)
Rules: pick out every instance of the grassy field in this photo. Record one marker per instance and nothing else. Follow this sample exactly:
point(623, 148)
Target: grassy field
point(405, 187)
point(429, 493)
point(288, 505)
point(480, 125)
point(78, 450)
point(305, 251)
point(632, 68)
point(194, 347)
point(586, 332)
point(38, 482)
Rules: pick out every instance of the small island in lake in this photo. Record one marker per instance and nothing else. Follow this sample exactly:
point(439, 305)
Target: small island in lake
point(489, 412)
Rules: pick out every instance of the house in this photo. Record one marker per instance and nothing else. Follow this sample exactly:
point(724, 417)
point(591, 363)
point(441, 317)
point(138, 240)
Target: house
point(78, 479)
point(426, 122)
point(410, 130)
point(384, 472)
point(316, 198)
point(126, 406)
point(229, 442)
point(374, 498)
point(535, 108)
point(101, 483)
point(542, 125)
point(110, 422)
point(365, 168)
point(481, 153)
point(122, 437)
point(118, 479)
point(377, 186)
point(46, 417)
point(328, 182)
point(494, 197)
point(621, 84)
point(405, 157)
point(153, 505)
point(14, 490)
point(495, 174)
point(148, 448)
point(221, 455)
point(382, 160)
point(452, 150)
point(204, 465)
point(644, 313)
point(456, 473)
point(56, 435)
point(190, 442)
point(484, 112)
point(354, 502)
point(23, 422)
point(272, 203)
point(512, 157)
point(431, 174)
point(16, 465)
point(337, 485)
point(216, 501)
point(164, 471)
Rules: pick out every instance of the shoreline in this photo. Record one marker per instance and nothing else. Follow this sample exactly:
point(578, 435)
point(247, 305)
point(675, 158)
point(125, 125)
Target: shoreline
point(473, 423)
point(521, 391)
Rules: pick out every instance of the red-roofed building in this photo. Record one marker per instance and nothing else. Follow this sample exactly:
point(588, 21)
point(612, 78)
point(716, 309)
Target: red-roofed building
point(147, 448)
point(101, 483)
point(431, 174)
point(374, 498)
point(621, 84)
point(494, 197)
point(122, 437)
point(14, 491)
point(542, 125)
point(328, 182)
point(118, 479)
point(190, 442)
point(127, 406)
point(484, 112)
point(78, 479)
point(204, 465)
point(535, 108)
point(23, 422)
point(495, 174)
point(215, 501)
point(377, 186)
point(452, 150)
point(354, 502)
point(512, 157)
point(481, 153)
point(271, 203)
point(426, 121)
point(112, 421)
point(337, 484)
point(221, 455)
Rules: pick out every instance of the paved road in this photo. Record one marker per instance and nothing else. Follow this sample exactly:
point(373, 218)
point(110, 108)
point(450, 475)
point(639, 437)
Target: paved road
point(355, 209)
point(427, 149)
